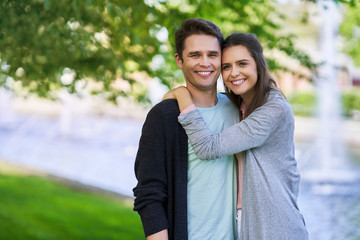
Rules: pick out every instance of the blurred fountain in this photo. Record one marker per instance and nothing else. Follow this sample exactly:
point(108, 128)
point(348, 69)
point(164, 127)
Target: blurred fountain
point(331, 166)
point(6, 109)
point(66, 115)
point(329, 193)
point(74, 109)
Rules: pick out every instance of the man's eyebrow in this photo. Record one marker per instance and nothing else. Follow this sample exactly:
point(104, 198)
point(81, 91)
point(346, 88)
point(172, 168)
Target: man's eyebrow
point(214, 52)
point(199, 52)
point(194, 52)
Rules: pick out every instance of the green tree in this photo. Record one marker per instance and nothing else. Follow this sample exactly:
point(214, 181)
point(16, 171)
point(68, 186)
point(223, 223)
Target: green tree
point(50, 45)
point(350, 30)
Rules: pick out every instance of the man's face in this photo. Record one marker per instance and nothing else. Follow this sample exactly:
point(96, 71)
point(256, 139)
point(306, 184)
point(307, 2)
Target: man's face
point(201, 63)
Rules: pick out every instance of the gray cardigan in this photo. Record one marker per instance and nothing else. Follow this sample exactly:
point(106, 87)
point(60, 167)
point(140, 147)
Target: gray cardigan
point(271, 178)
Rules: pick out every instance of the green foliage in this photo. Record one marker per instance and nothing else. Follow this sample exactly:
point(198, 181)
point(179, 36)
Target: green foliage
point(110, 41)
point(95, 39)
point(350, 30)
point(303, 103)
point(35, 208)
point(351, 102)
point(350, 2)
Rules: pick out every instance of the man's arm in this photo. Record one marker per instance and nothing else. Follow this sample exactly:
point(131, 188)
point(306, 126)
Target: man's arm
point(150, 170)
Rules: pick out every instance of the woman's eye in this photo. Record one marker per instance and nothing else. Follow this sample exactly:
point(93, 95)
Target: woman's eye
point(225, 67)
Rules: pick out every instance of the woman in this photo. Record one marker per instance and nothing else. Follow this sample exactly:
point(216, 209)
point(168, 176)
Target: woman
point(268, 176)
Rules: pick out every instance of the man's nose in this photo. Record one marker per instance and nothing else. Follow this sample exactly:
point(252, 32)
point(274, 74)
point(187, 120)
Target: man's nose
point(205, 61)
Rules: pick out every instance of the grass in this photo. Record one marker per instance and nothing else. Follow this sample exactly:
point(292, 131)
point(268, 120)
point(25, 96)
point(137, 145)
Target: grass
point(34, 207)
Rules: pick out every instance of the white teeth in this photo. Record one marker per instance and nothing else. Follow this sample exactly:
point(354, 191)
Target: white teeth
point(238, 81)
point(203, 73)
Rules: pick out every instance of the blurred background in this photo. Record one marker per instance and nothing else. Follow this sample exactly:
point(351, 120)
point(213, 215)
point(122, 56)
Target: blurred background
point(77, 79)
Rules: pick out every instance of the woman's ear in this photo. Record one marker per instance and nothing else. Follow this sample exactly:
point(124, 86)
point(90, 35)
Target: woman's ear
point(178, 60)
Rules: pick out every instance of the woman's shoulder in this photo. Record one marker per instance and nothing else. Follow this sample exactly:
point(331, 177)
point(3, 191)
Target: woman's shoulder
point(278, 101)
point(276, 96)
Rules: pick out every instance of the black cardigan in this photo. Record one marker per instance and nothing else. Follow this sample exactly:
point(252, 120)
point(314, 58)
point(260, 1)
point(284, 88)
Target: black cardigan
point(161, 170)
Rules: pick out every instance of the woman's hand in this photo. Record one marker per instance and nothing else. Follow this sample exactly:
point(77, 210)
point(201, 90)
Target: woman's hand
point(182, 95)
point(175, 93)
point(169, 95)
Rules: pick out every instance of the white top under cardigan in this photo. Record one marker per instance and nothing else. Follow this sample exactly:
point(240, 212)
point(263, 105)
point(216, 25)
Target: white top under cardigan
point(271, 178)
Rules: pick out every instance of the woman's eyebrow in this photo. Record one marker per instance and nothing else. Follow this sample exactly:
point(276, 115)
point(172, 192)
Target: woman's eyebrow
point(241, 60)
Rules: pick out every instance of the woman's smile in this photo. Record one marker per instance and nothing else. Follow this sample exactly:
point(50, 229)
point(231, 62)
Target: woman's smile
point(238, 82)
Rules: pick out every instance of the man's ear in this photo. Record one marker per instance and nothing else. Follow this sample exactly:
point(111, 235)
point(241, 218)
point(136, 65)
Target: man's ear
point(178, 60)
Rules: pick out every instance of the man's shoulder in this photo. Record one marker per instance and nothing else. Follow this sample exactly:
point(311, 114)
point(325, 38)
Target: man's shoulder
point(170, 105)
point(166, 108)
point(222, 97)
point(226, 110)
point(225, 102)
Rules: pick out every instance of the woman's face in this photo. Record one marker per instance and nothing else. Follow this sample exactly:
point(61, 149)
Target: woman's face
point(239, 71)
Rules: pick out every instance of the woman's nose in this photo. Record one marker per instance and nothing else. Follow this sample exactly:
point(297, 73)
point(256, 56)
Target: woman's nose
point(235, 73)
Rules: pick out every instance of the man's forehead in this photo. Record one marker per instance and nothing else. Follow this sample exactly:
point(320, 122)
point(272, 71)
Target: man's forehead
point(201, 43)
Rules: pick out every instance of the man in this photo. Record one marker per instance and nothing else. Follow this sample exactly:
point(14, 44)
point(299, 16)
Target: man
point(179, 196)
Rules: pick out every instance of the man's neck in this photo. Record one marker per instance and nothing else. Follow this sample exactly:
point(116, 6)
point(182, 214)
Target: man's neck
point(203, 99)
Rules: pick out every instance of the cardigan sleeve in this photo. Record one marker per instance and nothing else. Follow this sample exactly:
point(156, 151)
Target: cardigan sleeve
point(249, 133)
point(151, 192)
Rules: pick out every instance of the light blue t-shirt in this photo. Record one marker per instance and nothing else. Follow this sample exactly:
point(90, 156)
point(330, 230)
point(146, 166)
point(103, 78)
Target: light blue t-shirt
point(212, 183)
